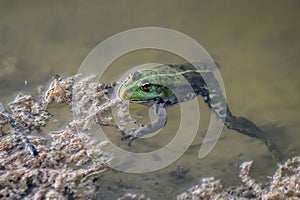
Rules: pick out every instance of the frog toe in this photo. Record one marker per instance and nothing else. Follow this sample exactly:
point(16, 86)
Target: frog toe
point(125, 137)
point(131, 140)
point(129, 137)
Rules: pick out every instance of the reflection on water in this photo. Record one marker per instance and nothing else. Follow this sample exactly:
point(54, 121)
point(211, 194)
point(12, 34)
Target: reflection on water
point(256, 44)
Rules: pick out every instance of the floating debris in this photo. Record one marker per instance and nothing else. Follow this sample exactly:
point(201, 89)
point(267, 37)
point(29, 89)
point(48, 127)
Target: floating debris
point(285, 184)
point(129, 196)
point(60, 90)
point(71, 160)
point(206, 190)
point(66, 165)
point(19, 130)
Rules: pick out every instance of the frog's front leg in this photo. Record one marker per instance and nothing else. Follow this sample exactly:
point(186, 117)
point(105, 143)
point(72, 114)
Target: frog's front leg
point(160, 121)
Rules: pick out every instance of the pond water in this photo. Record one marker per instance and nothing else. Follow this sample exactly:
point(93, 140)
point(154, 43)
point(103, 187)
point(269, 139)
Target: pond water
point(256, 44)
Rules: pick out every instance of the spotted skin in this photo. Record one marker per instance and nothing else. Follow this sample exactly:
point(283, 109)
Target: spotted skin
point(165, 85)
point(165, 77)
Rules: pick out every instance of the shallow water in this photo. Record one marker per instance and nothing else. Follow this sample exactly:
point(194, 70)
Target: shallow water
point(256, 45)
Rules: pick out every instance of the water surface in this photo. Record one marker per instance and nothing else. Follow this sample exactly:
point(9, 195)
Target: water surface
point(256, 44)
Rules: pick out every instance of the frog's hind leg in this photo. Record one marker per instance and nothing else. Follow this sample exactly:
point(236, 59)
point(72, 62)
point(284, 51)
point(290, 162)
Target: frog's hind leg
point(247, 127)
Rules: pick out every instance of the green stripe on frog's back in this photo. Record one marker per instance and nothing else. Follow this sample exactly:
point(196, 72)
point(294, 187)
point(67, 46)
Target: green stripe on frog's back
point(208, 88)
point(156, 92)
point(166, 77)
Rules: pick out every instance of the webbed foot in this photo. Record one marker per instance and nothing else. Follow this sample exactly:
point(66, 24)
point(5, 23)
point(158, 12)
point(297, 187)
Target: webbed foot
point(247, 127)
point(129, 137)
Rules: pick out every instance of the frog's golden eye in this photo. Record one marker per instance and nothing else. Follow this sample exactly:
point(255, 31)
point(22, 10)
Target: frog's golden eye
point(146, 87)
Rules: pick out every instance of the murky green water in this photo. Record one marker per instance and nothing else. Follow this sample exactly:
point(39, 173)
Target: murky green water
point(255, 42)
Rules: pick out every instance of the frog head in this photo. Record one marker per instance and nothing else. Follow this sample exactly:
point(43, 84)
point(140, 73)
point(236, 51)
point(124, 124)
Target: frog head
point(143, 87)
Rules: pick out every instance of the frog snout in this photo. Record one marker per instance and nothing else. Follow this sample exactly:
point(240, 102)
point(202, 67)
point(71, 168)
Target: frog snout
point(123, 95)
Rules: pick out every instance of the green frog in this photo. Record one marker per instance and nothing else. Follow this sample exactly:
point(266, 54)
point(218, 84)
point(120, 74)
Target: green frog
point(165, 85)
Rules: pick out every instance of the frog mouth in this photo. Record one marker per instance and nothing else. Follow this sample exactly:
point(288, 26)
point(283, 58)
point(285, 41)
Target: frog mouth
point(143, 102)
point(138, 101)
point(129, 98)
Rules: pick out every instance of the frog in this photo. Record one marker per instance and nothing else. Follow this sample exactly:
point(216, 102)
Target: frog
point(163, 85)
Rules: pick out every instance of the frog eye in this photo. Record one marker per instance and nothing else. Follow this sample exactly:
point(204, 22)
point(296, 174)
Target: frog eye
point(146, 87)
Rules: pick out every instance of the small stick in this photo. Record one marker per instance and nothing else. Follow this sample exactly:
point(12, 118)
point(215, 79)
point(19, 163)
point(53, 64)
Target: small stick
point(19, 130)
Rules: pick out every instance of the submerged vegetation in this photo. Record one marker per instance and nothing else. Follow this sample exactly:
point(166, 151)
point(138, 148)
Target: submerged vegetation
point(67, 163)
point(284, 184)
